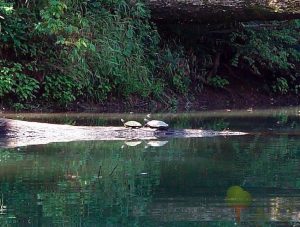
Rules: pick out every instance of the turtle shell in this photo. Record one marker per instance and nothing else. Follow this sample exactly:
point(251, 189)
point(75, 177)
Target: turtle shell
point(156, 124)
point(133, 124)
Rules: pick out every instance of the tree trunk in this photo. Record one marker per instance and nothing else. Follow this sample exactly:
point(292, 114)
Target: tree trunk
point(15, 133)
point(216, 11)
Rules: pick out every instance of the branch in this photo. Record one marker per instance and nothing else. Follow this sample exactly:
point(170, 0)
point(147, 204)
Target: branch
point(216, 11)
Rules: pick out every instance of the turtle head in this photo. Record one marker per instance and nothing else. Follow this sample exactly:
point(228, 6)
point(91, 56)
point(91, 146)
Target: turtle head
point(122, 120)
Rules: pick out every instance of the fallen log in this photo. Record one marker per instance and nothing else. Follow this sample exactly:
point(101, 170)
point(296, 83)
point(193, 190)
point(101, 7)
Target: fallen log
point(16, 133)
point(220, 11)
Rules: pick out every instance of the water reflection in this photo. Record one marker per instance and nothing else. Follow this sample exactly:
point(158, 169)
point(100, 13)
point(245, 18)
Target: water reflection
point(239, 199)
point(132, 143)
point(156, 143)
point(266, 121)
point(224, 181)
point(2, 206)
point(77, 183)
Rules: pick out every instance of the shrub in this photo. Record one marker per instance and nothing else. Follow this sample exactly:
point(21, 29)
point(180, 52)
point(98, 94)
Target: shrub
point(87, 49)
point(281, 85)
point(15, 83)
point(173, 66)
point(106, 48)
point(217, 82)
point(272, 50)
point(61, 88)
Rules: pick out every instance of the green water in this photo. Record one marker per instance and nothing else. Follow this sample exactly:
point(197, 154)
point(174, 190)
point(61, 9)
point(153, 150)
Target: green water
point(182, 183)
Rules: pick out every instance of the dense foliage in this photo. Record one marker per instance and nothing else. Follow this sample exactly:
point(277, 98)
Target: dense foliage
point(61, 52)
point(264, 54)
point(271, 53)
point(77, 49)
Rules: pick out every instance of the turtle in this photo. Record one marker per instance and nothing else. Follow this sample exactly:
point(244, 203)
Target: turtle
point(131, 124)
point(156, 124)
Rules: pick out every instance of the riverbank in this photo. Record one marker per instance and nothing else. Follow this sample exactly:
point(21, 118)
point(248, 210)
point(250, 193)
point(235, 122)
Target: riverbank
point(234, 97)
point(120, 60)
point(209, 99)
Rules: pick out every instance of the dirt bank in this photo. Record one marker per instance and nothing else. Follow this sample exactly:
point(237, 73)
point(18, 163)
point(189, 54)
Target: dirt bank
point(234, 97)
point(208, 99)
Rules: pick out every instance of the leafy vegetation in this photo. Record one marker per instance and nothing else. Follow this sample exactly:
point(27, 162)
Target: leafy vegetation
point(14, 82)
point(91, 51)
point(270, 52)
point(217, 81)
point(88, 50)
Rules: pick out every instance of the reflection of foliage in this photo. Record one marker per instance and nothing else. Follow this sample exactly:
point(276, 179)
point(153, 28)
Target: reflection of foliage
point(273, 157)
point(219, 124)
point(98, 182)
point(282, 117)
point(70, 179)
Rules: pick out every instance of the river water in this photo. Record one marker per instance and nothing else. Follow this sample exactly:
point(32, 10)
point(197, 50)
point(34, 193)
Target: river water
point(251, 180)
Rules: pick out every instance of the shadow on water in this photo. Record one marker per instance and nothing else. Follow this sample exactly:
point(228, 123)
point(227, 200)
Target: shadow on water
point(251, 180)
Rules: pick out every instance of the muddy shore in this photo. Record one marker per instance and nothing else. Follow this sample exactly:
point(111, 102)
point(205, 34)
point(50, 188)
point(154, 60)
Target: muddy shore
point(209, 99)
